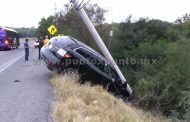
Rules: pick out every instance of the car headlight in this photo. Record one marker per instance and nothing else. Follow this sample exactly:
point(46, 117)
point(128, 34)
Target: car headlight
point(61, 52)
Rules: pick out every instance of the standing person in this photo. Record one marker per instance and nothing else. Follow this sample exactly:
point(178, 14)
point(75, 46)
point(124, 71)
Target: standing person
point(41, 43)
point(26, 48)
point(46, 40)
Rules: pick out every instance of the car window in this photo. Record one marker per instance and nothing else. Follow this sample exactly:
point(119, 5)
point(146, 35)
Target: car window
point(100, 65)
point(62, 42)
point(113, 73)
point(98, 62)
point(82, 52)
point(107, 69)
point(95, 60)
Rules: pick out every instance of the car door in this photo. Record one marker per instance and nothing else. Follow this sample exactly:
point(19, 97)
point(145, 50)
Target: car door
point(95, 62)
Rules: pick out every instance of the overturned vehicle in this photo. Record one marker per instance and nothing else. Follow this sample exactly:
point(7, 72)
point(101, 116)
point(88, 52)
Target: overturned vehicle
point(67, 55)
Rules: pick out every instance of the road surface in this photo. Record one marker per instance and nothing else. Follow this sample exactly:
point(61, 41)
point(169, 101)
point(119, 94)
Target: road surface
point(26, 94)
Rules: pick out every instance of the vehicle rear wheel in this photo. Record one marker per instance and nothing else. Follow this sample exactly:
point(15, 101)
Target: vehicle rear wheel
point(72, 73)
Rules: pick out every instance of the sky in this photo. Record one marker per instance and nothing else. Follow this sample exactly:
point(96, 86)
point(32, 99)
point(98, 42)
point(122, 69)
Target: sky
point(25, 13)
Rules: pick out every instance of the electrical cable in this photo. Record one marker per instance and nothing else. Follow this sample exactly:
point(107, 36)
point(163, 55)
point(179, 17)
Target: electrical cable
point(78, 8)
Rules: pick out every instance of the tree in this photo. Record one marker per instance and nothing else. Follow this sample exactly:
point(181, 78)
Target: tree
point(184, 18)
point(44, 24)
point(26, 32)
point(70, 23)
point(96, 14)
point(159, 86)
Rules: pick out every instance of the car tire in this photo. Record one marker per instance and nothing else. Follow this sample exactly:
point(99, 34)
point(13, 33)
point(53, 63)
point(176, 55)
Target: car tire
point(72, 73)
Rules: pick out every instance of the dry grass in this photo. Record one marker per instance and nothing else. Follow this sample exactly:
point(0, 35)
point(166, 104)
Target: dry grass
point(84, 103)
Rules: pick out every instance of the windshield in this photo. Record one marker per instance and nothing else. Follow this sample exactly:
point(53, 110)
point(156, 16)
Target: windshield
point(62, 42)
point(2, 34)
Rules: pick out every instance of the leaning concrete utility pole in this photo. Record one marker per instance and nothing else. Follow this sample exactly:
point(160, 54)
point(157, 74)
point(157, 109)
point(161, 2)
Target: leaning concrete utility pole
point(79, 7)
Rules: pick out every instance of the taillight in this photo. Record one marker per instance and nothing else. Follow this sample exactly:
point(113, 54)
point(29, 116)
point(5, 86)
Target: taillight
point(64, 53)
point(67, 55)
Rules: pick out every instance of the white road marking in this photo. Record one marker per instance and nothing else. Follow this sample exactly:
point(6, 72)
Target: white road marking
point(9, 63)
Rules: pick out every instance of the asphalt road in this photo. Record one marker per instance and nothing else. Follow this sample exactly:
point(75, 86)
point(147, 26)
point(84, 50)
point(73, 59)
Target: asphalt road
point(26, 94)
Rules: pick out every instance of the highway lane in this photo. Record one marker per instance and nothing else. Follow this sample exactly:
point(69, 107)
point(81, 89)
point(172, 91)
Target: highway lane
point(29, 99)
point(7, 58)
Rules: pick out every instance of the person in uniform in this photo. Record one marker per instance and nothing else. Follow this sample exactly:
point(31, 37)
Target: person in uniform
point(41, 43)
point(46, 40)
